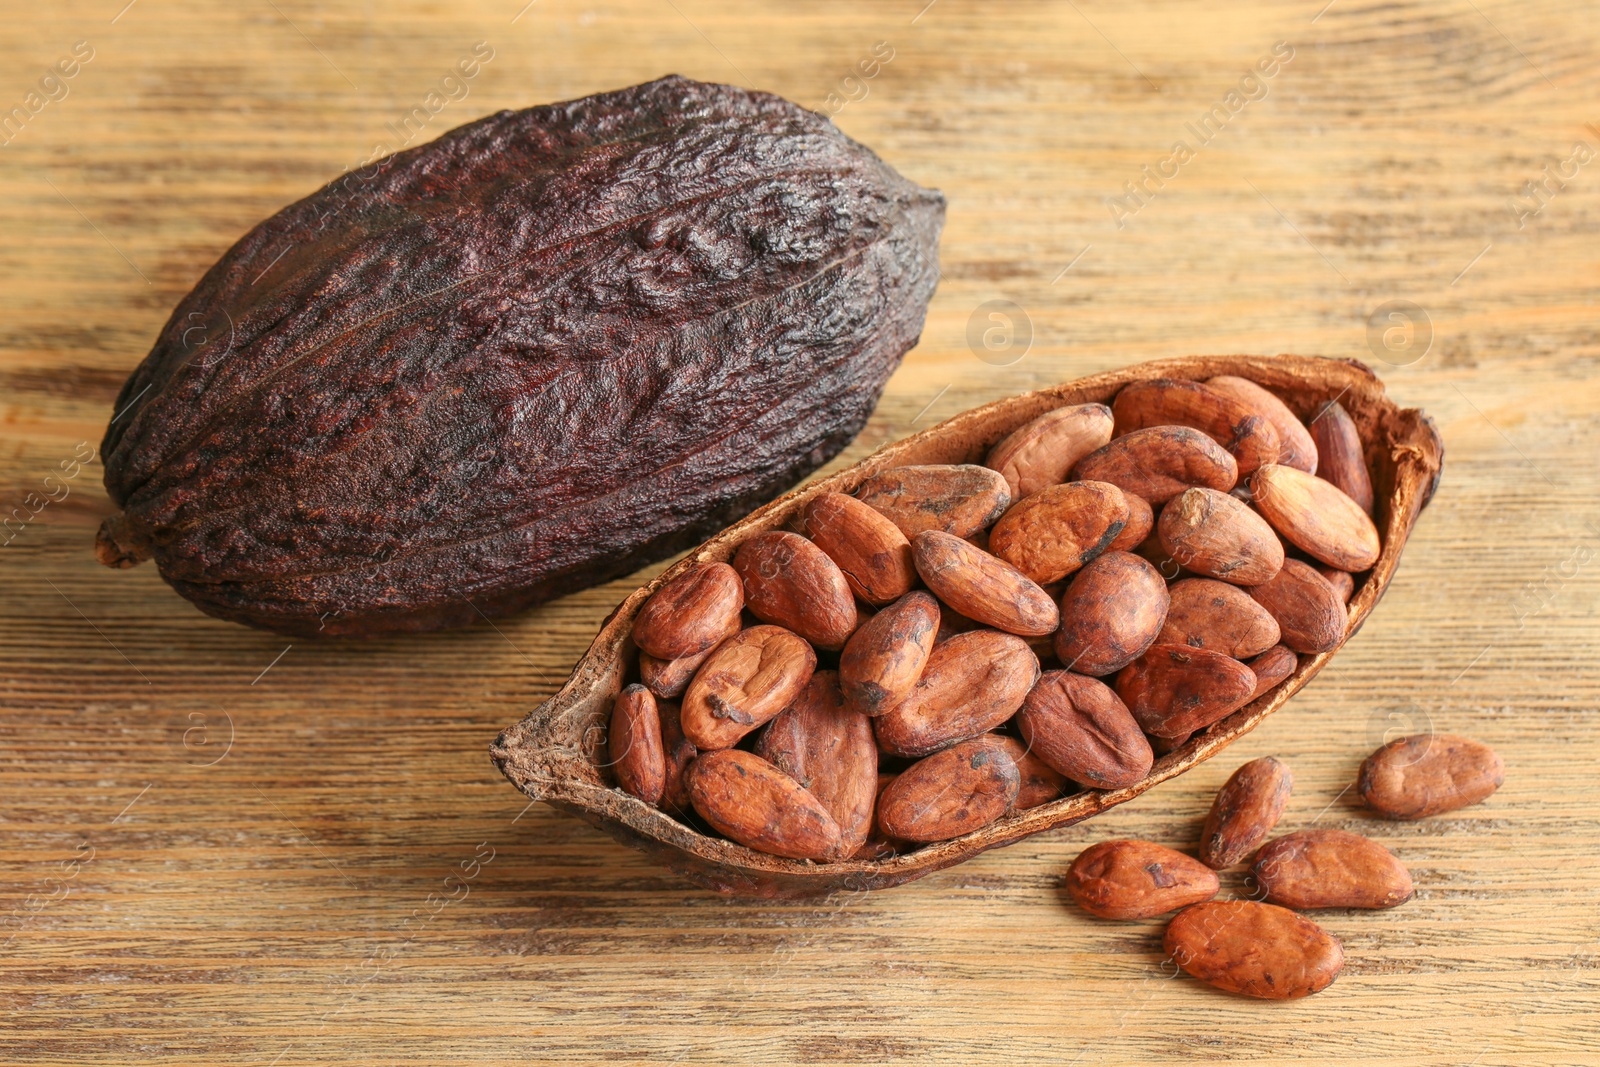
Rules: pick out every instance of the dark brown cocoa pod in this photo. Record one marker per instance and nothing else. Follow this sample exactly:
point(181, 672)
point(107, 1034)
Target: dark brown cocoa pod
point(751, 677)
point(873, 554)
point(1271, 667)
point(1254, 949)
point(1039, 782)
point(1311, 615)
point(680, 752)
point(983, 587)
point(790, 582)
point(690, 614)
point(1340, 457)
point(1429, 774)
point(960, 500)
point(1175, 689)
point(1082, 729)
point(1246, 809)
point(1159, 462)
point(1331, 869)
point(538, 353)
point(1137, 880)
point(830, 750)
point(972, 683)
point(749, 800)
point(1111, 612)
point(634, 744)
point(950, 793)
point(884, 659)
point(1206, 613)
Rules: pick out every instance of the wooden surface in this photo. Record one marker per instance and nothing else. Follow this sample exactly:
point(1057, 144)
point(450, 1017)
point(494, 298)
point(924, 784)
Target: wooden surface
point(219, 848)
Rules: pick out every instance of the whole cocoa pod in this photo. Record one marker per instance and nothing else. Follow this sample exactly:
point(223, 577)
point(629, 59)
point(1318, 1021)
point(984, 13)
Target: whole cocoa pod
point(546, 349)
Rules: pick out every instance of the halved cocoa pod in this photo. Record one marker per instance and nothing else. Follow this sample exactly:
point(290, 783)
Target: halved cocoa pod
point(1159, 462)
point(747, 799)
point(1175, 689)
point(1251, 438)
point(1215, 535)
point(634, 744)
point(883, 660)
point(1206, 613)
point(1254, 949)
point(1295, 446)
point(1310, 614)
point(1040, 783)
point(973, 682)
point(950, 793)
point(1141, 520)
point(871, 551)
point(830, 750)
point(680, 752)
point(959, 500)
point(749, 678)
point(1081, 728)
point(1272, 667)
point(1137, 880)
point(1246, 809)
point(1343, 582)
point(790, 582)
point(983, 587)
point(1055, 531)
point(668, 678)
point(1429, 774)
point(1316, 517)
point(1111, 612)
point(1340, 459)
point(1042, 452)
point(690, 614)
point(1331, 869)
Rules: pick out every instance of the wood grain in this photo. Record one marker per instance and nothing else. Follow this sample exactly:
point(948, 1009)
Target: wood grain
point(288, 903)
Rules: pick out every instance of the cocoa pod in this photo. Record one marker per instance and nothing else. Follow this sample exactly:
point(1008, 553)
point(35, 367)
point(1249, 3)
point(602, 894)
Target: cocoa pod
point(950, 793)
point(1295, 446)
point(634, 744)
point(790, 582)
point(1428, 774)
point(1040, 453)
point(958, 500)
point(873, 554)
point(1331, 869)
point(1316, 517)
point(1270, 668)
point(1246, 808)
point(1039, 783)
point(1141, 520)
point(1341, 459)
point(1110, 613)
point(1343, 582)
point(1255, 949)
point(1137, 880)
point(749, 678)
point(690, 614)
point(1055, 531)
point(830, 750)
point(972, 683)
point(544, 350)
point(669, 678)
point(1206, 613)
point(750, 801)
point(1215, 535)
point(680, 752)
point(1082, 729)
point(1175, 689)
point(1310, 615)
point(1173, 402)
point(986, 589)
point(884, 659)
point(1159, 462)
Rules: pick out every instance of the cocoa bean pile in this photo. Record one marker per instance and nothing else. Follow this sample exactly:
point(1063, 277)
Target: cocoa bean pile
point(1259, 946)
point(952, 643)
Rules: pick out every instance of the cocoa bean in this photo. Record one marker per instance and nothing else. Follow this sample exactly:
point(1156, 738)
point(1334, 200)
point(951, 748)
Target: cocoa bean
point(1206, 613)
point(961, 789)
point(1309, 612)
point(1255, 949)
point(957, 500)
point(1246, 809)
point(1341, 459)
point(691, 613)
point(680, 752)
point(1110, 613)
point(1331, 869)
point(1270, 668)
point(1137, 880)
point(1172, 402)
point(1055, 531)
point(1141, 520)
point(1428, 774)
point(871, 551)
point(749, 678)
point(1082, 729)
point(1343, 582)
point(790, 582)
point(668, 678)
point(830, 750)
point(1316, 517)
point(880, 846)
point(747, 799)
point(1175, 689)
point(634, 743)
point(1159, 462)
point(1040, 453)
point(1295, 446)
point(983, 587)
point(883, 659)
point(973, 682)
point(1039, 782)
point(1215, 535)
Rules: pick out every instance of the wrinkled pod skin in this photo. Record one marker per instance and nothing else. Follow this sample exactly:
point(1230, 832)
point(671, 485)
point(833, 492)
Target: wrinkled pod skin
point(538, 353)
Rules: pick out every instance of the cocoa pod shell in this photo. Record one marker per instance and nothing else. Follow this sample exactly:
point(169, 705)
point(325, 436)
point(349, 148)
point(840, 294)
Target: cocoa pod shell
point(1331, 869)
point(884, 659)
point(873, 554)
point(1175, 689)
point(1112, 610)
point(750, 801)
point(1206, 613)
point(1272, 667)
point(790, 582)
point(1218, 536)
point(1039, 782)
point(1245, 810)
point(1254, 949)
point(830, 750)
point(1251, 438)
point(1040, 453)
point(749, 678)
point(1340, 457)
point(983, 587)
point(690, 614)
point(1052, 533)
point(972, 683)
point(634, 745)
point(959, 500)
point(961, 789)
point(1159, 462)
point(1310, 614)
point(1082, 729)
point(1137, 880)
point(1316, 517)
point(1295, 445)
point(1429, 774)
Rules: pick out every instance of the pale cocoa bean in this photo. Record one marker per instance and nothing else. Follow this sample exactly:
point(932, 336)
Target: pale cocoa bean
point(790, 582)
point(691, 613)
point(961, 789)
point(830, 750)
point(1206, 613)
point(1215, 535)
point(1343, 582)
point(1255, 949)
point(634, 743)
point(1040, 453)
point(883, 659)
point(1175, 689)
point(1110, 613)
point(1137, 880)
point(1295, 446)
point(1141, 520)
point(1340, 456)
point(1316, 517)
point(958, 500)
point(750, 801)
point(1331, 869)
point(1246, 809)
point(1055, 531)
point(1039, 782)
point(680, 752)
point(1428, 774)
point(1270, 668)
point(1159, 462)
point(668, 678)
point(1309, 612)
point(972, 683)
point(871, 551)
point(749, 678)
point(983, 587)
point(1081, 728)
point(1251, 438)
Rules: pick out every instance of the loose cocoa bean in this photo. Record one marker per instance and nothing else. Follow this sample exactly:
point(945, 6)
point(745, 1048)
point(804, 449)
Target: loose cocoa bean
point(1171, 402)
point(830, 750)
point(1206, 613)
point(1295, 446)
point(1175, 689)
point(1141, 520)
point(961, 789)
point(1331, 869)
point(634, 743)
point(691, 613)
point(1040, 453)
point(1215, 535)
point(1428, 774)
point(1082, 729)
point(1340, 457)
point(957, 500)
point(973, 682)
point(1246, 809)
point(1159, 462)
point(883, 659)
point(749, 678)
point(747, 799)
point(790, 582)
point(1270, 668)
point(1137, 880)
point(871, 551)
point(1316, 517)
point(1258, 950)
point(1309, 612)
point(1039, 784)
point(680, 752)
point(668, 678)
point(1110, 613)
point(983, 587)
point(1055, 531)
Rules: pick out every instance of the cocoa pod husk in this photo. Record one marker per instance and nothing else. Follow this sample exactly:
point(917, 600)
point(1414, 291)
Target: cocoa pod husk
point(749, 678)
point(1295, 445)
point(1311, 616)
point(959, 500)
point(1341, 459)
point(885, 657)
point(1245, 810)
point(1112, 610)
point(1206, 613)
point(953, 792)
point(830, 750)
point(1251, 438)
point(972, 683)
point(873, 554)
point(1254, 949)
point(1218, 536)
point(1429, 774)
point(1175, 689)
point(1331, 869)
point(790, 582)
point(1137, 880)
point(1041, 453)
point(983, 587)
point(1316, 517)
point(1080, 727)
point(1159, 462)
point(1052, 533)
point(750, 801)
point(634, 746)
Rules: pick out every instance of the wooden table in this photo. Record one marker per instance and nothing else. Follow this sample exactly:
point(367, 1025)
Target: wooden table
point(223, 847)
